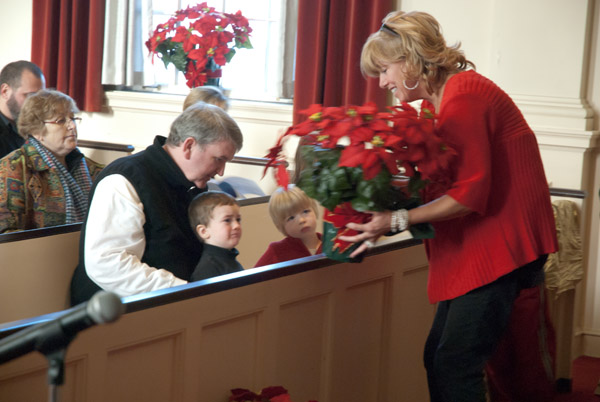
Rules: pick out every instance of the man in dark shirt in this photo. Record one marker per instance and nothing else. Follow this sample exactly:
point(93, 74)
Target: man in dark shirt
point(18, 80)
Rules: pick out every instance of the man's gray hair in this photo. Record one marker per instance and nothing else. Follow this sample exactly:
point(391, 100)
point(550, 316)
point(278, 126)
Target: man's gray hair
point(206, 124)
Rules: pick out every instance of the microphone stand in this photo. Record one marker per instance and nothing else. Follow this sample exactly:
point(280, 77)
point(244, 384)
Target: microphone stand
point(56, 373)
point(54, 347)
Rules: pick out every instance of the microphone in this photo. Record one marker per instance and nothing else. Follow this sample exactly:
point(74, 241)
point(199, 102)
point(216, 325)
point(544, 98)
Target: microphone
point(51, 336)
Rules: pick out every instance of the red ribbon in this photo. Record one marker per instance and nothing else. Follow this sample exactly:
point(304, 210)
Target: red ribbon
point(214, 73)
point(339, 218)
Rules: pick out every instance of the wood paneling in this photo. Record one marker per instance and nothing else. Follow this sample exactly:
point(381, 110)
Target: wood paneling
point(342, 332)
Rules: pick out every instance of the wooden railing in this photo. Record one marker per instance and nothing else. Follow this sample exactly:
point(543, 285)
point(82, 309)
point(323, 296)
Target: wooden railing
point(105, 146)
point(325, 330)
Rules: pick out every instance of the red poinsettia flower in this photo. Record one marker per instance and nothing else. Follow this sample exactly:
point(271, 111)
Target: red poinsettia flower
point(202, 33)
point(195, 77)
point(270, 392)
point(281, 398)
point(181, 34)
point(339, 218)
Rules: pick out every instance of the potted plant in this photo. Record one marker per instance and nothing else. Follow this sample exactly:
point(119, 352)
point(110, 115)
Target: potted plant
point(350, 156)
point(198, 41)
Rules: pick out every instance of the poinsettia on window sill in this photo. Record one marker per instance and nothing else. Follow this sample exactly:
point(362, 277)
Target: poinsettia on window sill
point(268, 394)
point(350, 156)
point(199, 40)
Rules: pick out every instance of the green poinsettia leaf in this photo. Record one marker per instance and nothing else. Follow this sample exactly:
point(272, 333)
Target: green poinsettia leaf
point(416, 184)
point(321, 185)
point(179, 59)
point(243, 45)
point(375, 191)
point(327, 157)
point(229, 55)
point(422, 231)
point(307, 183)
point(332, 201)
point(362, 204)
point(338, 180)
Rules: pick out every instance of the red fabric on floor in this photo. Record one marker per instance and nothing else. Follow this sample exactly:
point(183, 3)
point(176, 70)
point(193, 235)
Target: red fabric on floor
point(522, 369)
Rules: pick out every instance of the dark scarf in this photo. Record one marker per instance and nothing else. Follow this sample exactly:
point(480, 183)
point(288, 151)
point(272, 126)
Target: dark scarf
point(76, 183)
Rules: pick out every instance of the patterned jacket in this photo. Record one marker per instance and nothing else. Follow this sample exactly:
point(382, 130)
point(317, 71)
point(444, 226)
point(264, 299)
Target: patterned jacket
point(31, 194)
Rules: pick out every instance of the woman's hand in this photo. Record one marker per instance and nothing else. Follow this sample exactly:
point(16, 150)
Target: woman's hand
point(371, 231)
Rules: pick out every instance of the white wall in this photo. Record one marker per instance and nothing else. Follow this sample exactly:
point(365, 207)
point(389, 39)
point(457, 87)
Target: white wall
point(15, 30)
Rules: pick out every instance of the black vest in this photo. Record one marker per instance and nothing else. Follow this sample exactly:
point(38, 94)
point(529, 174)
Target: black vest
point(165, 194)
point(9, 138)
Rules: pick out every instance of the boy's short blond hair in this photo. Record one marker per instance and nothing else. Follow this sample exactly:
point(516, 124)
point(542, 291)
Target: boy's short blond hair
point(200, 211)
point(207, 94)
point(285, 203)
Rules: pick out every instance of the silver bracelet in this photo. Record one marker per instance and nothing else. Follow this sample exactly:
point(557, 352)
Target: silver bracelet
point(394, 222)
point(399, 221)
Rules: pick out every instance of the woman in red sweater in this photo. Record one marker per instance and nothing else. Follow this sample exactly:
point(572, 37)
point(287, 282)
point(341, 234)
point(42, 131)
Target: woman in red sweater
point(491, 211)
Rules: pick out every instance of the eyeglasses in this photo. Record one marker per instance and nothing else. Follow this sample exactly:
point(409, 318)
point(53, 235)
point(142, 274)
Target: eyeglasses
point(389, 30)
point(65, 121)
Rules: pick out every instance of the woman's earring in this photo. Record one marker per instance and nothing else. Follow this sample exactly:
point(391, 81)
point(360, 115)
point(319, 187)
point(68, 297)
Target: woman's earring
point(410, 88)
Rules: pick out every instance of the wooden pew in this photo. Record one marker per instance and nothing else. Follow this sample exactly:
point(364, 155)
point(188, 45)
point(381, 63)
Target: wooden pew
point(325, 330)
point(38, 264)
point(104, 152)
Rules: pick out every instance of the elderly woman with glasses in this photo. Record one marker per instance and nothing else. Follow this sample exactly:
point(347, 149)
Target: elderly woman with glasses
point(45, 182)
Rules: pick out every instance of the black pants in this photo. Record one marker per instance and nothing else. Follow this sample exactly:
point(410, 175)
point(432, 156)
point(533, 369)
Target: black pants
point(465, 332)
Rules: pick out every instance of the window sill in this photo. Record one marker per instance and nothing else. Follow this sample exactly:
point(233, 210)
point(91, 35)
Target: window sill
point(152, 102)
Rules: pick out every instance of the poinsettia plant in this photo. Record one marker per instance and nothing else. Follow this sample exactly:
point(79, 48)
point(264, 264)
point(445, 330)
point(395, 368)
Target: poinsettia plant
point(351, 157)
point(269, 394)
point(198, 40)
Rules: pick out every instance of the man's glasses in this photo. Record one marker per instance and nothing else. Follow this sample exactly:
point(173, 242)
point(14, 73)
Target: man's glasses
point(66, 121)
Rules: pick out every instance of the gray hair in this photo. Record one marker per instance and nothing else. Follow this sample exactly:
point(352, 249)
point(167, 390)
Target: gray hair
point(206, 124)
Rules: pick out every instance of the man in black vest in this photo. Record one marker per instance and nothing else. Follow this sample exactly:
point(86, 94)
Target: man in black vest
point(136, 237)
point(18, 80)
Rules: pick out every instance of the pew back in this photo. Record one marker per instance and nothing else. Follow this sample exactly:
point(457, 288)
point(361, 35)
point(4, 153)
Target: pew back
point(36, 272)
point(103, 152)
point(326, 331)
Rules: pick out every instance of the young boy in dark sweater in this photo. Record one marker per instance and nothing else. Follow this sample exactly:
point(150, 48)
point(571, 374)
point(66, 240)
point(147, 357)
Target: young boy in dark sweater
point(215, 218)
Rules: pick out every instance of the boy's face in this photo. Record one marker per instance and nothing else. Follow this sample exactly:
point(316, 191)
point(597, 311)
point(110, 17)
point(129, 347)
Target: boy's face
point(301, 225)
point(224, 228)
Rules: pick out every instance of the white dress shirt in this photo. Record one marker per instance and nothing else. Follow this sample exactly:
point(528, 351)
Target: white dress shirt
point(115, 241)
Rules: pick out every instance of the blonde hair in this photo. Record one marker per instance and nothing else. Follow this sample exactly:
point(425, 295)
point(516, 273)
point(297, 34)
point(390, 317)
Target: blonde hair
point(418, 41)
point(200, 211)
point(285, 203)
point(206, 94)
point(44, 105)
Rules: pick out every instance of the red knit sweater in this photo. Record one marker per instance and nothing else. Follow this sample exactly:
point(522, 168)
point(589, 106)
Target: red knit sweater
point(287, 249)
point(499, 175)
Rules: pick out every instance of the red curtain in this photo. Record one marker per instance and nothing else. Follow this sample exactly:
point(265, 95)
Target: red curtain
point(331, 34)
point(67, 42)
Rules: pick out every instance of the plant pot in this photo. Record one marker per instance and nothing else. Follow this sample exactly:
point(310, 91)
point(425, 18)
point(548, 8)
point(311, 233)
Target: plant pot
point(213, 73)
point(334, 226)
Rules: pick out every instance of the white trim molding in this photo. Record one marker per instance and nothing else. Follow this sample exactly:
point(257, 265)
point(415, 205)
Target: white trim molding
point(552, 113)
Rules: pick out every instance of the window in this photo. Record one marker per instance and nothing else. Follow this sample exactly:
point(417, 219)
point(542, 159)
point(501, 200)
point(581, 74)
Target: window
point(262, 73)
